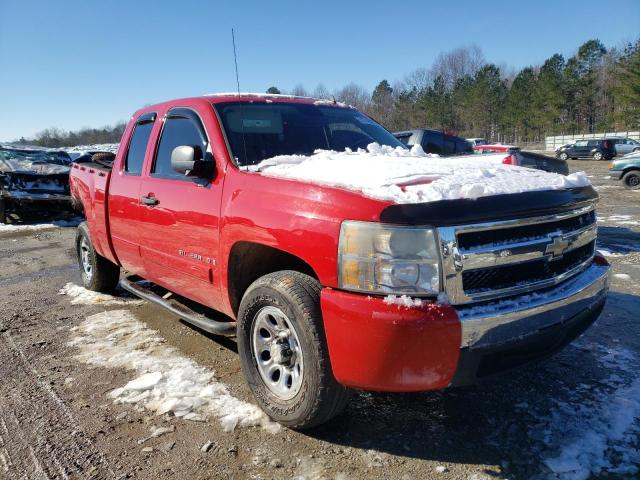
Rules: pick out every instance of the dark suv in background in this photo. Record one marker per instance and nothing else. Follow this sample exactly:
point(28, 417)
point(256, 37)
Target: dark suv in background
point(434, 141)
point(597, 148)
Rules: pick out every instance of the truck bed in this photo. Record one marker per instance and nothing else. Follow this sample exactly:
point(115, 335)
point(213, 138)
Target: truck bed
point(89, 184)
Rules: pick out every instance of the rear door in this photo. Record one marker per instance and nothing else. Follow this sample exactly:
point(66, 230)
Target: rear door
point(180, 216)
point(124, 195)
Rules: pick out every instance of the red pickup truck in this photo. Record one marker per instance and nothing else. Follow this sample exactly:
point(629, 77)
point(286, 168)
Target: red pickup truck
point(329, 288)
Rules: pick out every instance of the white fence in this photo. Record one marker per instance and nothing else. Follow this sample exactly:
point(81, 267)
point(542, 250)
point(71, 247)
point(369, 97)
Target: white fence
point(551, 143)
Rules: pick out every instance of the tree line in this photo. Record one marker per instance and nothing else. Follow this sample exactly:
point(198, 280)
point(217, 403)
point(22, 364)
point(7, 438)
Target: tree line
point(595, 90)
point(56, 137)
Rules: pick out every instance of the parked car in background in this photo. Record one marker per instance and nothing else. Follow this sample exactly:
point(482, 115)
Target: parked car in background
point(434, 141)
point(477, 141)
point(626, 145)
point(516, 156)
point(598, 149)
point(33, 180)
point(627, 169)
point(494, 148)
point(557, 149)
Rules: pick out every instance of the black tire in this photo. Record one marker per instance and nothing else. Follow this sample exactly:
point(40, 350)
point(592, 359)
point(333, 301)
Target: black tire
point(631, 180)
point(3, 210)
point(563, 156)
point(597, 155)
point(103, 275)
point(320, 397)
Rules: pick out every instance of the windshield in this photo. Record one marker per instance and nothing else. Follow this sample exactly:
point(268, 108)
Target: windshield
point(257, 132)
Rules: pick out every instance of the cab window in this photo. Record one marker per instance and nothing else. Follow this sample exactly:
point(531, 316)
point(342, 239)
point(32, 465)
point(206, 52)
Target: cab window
point(181, 127)
point(134, 158)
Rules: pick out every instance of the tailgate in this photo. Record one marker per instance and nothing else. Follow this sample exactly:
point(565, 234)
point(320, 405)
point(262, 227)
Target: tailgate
point(89, 183)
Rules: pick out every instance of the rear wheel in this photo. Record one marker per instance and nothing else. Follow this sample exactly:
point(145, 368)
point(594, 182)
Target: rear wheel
point(98, 273)
point(563, 156)
point(631, 180)
point(284, 352)
point(597, 155)
point(3, 211)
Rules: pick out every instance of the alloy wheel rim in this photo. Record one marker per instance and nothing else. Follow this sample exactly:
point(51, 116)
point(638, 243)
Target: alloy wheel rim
point(277, 352)
point(85, 258)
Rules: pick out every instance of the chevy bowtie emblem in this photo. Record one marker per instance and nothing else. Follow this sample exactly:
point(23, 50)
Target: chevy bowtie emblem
point(557, 247)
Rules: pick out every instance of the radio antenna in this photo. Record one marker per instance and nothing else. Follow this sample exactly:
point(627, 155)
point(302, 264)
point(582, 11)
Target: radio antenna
point(235, 61)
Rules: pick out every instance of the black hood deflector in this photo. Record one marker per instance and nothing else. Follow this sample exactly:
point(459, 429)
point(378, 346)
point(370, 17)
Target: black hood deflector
point(485, 209)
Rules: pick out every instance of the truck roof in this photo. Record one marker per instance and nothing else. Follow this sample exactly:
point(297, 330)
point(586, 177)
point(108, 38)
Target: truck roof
point(224, 97)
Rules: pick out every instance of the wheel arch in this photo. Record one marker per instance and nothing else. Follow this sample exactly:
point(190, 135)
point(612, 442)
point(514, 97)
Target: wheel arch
point(249, 261)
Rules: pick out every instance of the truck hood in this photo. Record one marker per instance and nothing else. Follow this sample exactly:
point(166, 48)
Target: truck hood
point(410, 177)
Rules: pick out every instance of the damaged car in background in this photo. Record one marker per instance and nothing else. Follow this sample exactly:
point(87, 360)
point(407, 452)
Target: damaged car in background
point(33, 181)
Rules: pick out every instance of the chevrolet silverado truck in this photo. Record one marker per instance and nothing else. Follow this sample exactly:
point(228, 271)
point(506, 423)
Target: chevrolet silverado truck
point(337, 257)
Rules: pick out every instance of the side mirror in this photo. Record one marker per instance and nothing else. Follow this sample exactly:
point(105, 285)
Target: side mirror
point(184, 158)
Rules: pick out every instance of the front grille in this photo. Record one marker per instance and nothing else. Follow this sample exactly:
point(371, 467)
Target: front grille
point(475, 281)
point(524, 232)
point(497, 259)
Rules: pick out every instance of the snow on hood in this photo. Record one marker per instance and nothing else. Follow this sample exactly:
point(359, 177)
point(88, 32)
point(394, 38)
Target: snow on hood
point(23, 165)
point(411, 176)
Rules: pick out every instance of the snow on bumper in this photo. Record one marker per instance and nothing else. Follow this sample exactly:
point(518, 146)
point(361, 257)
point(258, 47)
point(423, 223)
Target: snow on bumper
point(375, 345)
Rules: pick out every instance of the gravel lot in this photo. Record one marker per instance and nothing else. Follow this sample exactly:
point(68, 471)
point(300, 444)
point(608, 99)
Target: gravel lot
point(575, 415)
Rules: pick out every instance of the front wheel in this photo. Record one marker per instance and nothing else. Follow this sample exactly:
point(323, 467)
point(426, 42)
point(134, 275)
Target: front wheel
point(98, 273)
point(283, 351)
point(597, 155)
point(631, 180)
point(563, 156)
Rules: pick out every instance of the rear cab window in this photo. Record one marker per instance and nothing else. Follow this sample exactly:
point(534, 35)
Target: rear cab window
point(134, 159)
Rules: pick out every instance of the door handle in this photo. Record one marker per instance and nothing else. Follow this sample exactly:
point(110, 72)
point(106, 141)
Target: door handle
point(149, 200)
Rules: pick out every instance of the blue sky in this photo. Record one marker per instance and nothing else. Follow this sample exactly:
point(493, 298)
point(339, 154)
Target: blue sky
point(75, 63)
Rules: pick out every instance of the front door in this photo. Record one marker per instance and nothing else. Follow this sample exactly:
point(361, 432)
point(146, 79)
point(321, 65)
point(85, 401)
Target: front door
point(180, 215)
point(581, 149)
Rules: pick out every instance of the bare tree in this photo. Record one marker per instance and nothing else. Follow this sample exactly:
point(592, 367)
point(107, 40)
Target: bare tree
point(457, 64)
point(354, 95)
point(321, 92)
point(299, 91)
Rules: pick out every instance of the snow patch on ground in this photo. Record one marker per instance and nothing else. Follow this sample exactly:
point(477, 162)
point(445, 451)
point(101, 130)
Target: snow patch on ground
point(81, 296)
point(412, 176)
point(101, 147)
point(164, 381)
point(11, 228)
point(608, 253)
point(619, 220)
point(622, 276)
point(597, 434)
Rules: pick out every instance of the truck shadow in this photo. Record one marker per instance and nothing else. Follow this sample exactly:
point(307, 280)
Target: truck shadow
point(520, 417)
point(618, 239)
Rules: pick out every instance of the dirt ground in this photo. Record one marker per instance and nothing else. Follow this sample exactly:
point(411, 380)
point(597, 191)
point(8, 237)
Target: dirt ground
point(576, 413)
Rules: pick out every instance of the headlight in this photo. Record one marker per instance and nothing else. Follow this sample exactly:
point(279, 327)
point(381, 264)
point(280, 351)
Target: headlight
point(388, 259)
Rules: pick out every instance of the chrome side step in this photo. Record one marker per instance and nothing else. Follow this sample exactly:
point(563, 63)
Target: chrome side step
point(185, 313)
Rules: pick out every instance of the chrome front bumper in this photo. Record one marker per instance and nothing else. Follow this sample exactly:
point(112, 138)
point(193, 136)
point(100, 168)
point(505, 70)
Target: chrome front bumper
point(507, 321)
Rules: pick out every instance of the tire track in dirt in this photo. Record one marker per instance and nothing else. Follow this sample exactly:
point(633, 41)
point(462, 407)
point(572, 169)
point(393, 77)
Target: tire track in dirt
point(41, 427)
